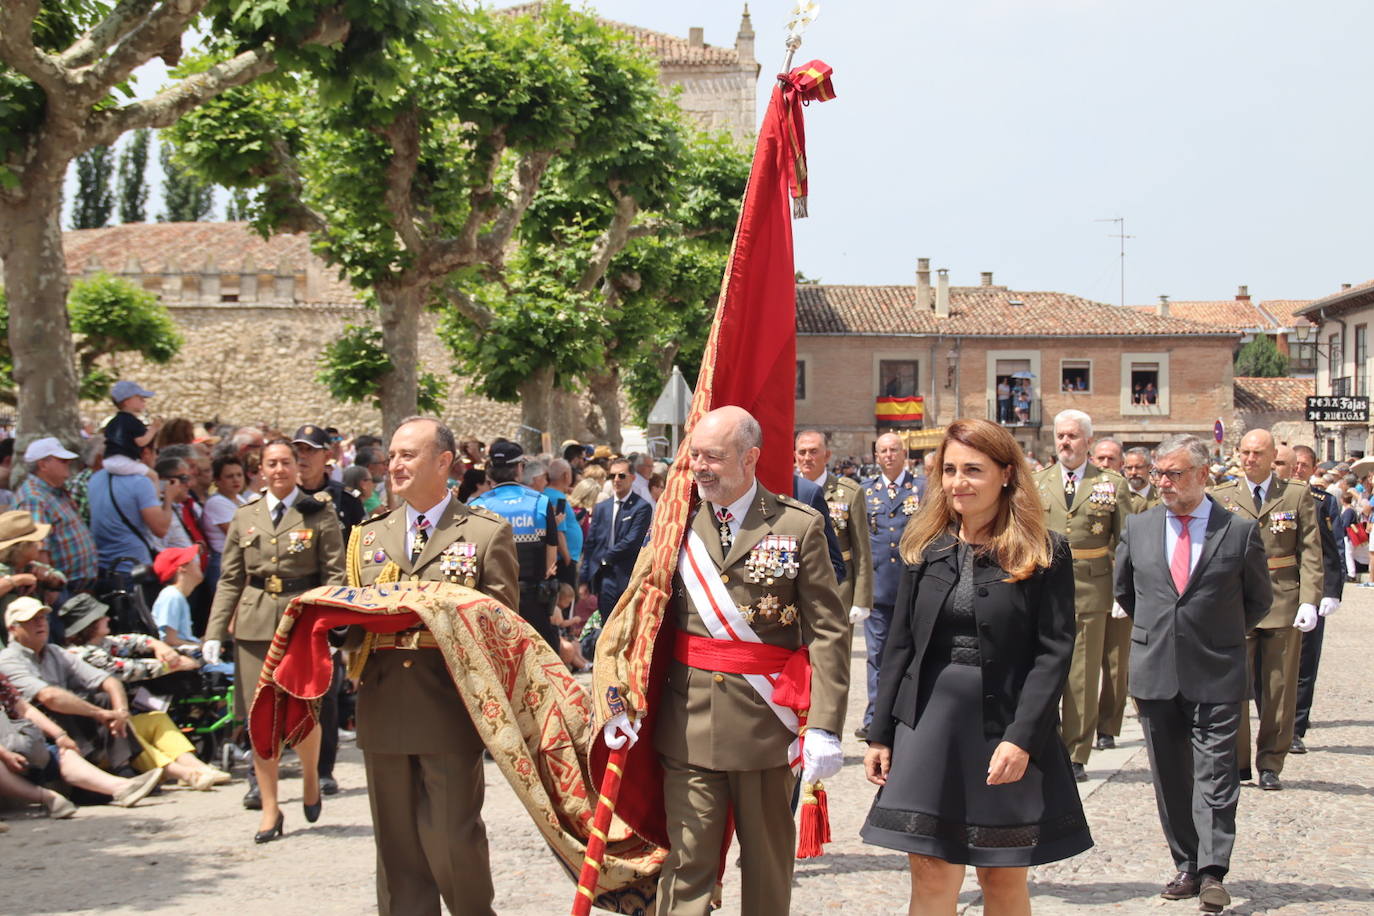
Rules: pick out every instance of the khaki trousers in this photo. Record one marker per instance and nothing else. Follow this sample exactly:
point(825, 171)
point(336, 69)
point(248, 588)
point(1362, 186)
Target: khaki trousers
point(1080, 693)
point(431, 842)
point(1116, 662)
point(697, 802)
point(1273, 657)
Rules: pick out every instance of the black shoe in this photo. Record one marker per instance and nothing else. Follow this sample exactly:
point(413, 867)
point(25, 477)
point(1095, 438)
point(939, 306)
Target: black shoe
point(1269, 780)
point(1181, 886)
point(1297, 747)
point(1079, 773)
point(252, 799)
point(329, 785)
point(1245, 774)
point(312, 812)
point(1105, 743)
point(1212, 896)
point(861, 733)
point(267, 836)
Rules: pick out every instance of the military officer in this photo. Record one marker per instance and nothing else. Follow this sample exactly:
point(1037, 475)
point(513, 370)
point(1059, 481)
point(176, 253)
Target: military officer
point(724, 750)
point(422, 755)
point(1302, 466)
point(891, 497)
point(1116, 642)
point(281, 544)
point(1287, 519)
point(1135, 467)
point(1088, 505)
point(848, 518)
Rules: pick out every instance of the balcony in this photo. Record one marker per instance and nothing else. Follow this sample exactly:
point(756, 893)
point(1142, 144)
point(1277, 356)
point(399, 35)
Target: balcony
point(1340, 387)
point(1027, 415)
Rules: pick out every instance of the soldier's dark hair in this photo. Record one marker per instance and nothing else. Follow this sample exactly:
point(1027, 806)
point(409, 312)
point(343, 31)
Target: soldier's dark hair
point(1308, 451)
point(444, 440)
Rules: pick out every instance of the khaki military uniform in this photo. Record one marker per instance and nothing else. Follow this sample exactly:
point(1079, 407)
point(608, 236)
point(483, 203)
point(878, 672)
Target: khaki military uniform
point(264, 566)
point(1093, 523)
point(849, 518)
point(1116, 647)
point(722, 747)
point(1292, 544)
point(422, 754)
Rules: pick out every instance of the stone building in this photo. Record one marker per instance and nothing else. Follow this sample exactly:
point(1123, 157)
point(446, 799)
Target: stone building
point(1141, 376)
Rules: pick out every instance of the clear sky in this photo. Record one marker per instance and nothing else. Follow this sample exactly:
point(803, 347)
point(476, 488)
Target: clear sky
point(1236, 139)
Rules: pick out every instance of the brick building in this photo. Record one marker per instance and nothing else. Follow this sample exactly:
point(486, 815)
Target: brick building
point(1141, 376)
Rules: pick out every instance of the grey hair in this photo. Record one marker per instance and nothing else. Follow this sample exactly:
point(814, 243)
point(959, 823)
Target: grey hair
point(748, 434)
point(1139, 451)
point(558, 469)
point(184, 452)
point(1085, 422)
point(535, 469)
point(1112, 439)
point(443, 436)
point(1194, 446)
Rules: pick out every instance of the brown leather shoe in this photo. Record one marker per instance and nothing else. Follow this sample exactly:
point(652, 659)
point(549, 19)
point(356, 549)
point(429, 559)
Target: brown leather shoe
point(1212, 897)
point(1182, 886)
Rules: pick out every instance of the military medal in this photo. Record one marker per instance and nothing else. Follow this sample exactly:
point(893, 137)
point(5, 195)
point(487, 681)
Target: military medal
point(909, 505)
point(379, 557)
point(369, 538)
point(790, 566)
point(788, 615)
point(839, 515)
point(299, 541)
point(1280, 522)
point(1103, 494)
point(1097, 528)
point(768, 606)
point(747, 612)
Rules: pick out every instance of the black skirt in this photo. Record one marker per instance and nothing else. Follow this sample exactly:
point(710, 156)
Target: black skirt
point(937, 801)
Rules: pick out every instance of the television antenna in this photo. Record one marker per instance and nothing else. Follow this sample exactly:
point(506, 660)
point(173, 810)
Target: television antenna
point(1119, 234)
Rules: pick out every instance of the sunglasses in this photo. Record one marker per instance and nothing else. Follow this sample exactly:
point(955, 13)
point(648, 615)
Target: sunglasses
point(621, 476)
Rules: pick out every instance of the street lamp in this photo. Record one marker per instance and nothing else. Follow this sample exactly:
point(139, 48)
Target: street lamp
point(951, 366)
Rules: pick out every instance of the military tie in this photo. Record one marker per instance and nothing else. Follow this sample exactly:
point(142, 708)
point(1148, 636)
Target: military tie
point(277, 513)
point(1259, 498)
point(726, 537)
point(421, 538)
point(892, 491)
point(1070, 489)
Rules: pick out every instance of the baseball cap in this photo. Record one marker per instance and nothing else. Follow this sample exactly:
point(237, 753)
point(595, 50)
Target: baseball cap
point(24, 608)
point(47, 447)
point(80, 611)
point(313, 436)
point(123, 390)
point(504, 453)
point(170, 560)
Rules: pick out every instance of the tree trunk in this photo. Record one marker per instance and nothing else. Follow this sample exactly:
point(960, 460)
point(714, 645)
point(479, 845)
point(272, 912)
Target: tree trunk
point(605, 391)
point(40, 330)
point(400, 388)
point(536, 410)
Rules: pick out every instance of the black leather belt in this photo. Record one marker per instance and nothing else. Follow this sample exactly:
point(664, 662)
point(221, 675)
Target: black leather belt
point(276, 585)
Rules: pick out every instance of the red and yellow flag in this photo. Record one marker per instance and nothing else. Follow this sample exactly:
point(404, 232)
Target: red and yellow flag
point(898, 410)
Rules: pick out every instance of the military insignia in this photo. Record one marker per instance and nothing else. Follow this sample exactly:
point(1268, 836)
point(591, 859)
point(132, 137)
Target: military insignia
point(369, 538)
point(458, 563)
point(1280, 522)
point(839, 515)
point(747, 612)
point(788, 615)
point(299, 541)
point(909, 505)
point(1097, 528)
point(1103, 495)
point(245, 542)
point(379, 557)
point(768, 606)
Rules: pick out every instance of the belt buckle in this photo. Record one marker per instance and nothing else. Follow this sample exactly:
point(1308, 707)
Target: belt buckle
point(410, 639)
point(273, 585)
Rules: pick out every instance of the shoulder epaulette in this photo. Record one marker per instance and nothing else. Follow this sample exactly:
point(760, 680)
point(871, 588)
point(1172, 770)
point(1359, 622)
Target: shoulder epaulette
point(322, 496)
point(484, 512)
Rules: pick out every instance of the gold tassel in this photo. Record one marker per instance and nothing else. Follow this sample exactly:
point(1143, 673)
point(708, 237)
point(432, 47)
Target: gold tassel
point(391, 572)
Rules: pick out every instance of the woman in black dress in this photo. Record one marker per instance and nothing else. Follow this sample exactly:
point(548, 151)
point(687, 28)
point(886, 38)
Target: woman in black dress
point(964, 740)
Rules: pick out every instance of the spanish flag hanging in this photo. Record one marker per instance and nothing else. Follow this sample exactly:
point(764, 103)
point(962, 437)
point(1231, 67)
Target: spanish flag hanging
point(899, 410)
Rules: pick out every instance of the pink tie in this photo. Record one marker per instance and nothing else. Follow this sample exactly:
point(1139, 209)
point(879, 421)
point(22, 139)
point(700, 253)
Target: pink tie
point(1183, 554)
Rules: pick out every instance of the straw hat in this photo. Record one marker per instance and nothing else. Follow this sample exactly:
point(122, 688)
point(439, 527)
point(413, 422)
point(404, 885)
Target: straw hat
point(18, 525)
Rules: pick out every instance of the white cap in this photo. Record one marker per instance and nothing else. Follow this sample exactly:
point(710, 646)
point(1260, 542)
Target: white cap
point(47, 447)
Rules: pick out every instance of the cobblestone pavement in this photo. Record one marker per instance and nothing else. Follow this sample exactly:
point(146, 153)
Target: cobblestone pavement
point(1306, 850)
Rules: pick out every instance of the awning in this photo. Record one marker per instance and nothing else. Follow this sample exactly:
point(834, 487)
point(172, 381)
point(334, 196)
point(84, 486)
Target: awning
point(920, 438)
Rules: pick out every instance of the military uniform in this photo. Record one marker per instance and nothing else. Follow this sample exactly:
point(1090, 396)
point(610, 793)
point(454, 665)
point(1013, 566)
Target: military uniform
point(1092, 521)
point(723, 749)
point(422, 754)
point(266, 564)
point(1333, 565)
point(1116, 646)
point(1288, 526)
point(849, 519)
point(889, 508)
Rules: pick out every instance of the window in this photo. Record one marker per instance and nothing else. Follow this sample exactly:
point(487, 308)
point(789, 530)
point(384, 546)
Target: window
point(1361, 358)
point(1145, 384)
point(899, 378)
point(800, 394)
point(1075, 375)
point(1334, 357)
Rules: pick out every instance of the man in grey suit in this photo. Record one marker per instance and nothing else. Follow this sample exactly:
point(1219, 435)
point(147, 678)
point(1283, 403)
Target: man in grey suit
point(1193, 578)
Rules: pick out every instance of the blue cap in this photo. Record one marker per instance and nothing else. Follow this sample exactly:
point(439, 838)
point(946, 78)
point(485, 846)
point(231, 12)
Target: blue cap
point(124, 390)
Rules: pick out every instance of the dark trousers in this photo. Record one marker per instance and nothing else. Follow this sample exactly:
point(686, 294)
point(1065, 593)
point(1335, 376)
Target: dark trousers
point(329, 720)
point(1192, 748)
point(876, 625)
point(1307, 676)
point(536, 606)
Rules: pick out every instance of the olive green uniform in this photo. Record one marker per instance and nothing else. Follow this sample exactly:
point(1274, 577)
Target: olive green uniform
point(723, 749)
point(1116, 647)
point(849, 518)
point(1292, 544)
point(1092, 522)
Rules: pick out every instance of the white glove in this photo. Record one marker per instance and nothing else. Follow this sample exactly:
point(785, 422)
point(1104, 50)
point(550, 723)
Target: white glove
point(209, 651)
point(1329, 606)
point(858, 614)
point(1307, 618)
point(821, 755)
point(1118, 611)
point(619, 730)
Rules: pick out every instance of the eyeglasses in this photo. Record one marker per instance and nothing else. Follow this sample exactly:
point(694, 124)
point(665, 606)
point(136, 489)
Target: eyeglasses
point(620, 476)
point(1174, 476)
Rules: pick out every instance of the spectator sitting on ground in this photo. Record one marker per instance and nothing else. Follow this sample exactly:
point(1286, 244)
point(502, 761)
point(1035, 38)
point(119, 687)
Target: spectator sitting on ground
point(178, 569)
point(44, 495)
point(133, 658)
point(21, 573)
point(126, 436)
point(63, 686)
point(569, 628)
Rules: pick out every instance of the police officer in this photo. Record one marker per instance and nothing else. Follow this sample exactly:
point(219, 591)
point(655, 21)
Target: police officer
point(890, 499)
point(845, 500)
point(1089, 506)
point(281, 544)
point(532, 521)
point(422, 754)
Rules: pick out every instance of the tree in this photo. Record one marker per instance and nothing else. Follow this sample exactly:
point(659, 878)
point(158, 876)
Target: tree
point(353, 365)
point(236, 210)
point(65, 69)
point(133, 182)
point(1260, 358)
point(405, 189)
point(108, 316)
point(94, 188)
point(186, 198)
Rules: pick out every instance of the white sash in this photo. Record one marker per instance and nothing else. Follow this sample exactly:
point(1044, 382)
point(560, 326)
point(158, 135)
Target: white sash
point(723, 621)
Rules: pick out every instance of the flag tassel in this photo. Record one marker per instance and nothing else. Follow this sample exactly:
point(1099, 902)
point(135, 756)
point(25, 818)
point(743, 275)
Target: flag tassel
point(814, 831)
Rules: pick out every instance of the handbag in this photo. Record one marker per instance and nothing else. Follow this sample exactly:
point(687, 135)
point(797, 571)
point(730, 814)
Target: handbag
point(1357, 533)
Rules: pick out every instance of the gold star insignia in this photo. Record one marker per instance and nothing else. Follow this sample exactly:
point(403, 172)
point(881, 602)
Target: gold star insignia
point(788, 615)
point(768, 606)
point(747, 612)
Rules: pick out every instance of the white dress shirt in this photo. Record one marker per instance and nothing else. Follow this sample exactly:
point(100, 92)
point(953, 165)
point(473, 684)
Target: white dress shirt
point(433, 514)
point(1263, 488)
point(289, 500)
point(1064, 472)
point(738, 509)
point(1197, 532)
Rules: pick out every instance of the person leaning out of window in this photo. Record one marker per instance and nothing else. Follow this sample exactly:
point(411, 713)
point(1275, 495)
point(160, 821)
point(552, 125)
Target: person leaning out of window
point(964, 741)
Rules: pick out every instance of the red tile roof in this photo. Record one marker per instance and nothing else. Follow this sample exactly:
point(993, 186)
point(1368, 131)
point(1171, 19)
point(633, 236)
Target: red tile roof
point(979, 311)
point(667, 49)
point(1285, 311)
point(1232, 314)
point(1273, 395)
point(1354, 297)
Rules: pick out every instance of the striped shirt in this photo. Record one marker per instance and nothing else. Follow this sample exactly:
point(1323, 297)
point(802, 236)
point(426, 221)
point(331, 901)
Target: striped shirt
point(70, 543)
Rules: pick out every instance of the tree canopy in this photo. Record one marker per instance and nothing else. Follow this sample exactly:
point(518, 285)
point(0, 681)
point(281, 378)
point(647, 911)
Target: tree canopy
point(1260, 358)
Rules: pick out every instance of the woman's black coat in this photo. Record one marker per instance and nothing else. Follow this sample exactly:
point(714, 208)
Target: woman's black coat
point(1025, 641)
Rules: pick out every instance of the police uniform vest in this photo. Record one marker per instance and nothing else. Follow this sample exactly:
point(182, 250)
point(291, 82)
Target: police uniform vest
point(527, 513)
